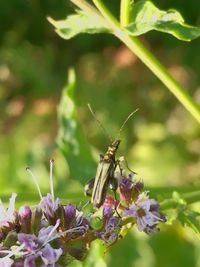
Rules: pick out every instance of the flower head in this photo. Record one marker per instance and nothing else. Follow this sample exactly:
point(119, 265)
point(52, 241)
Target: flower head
point(111, 226)
point(142, 210)
point(129, 189)
point(50, 207)
point(39, 246)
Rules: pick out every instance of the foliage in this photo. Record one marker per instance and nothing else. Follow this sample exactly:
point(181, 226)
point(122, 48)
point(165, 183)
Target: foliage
point(161, 143)
point(144, 16)
point(71, 139)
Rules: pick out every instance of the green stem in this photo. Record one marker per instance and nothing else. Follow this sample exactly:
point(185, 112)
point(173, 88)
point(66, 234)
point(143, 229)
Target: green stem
point(82, 4)
point(151, 62)
point(145, 56)
point(124, 12)
point(190, 198)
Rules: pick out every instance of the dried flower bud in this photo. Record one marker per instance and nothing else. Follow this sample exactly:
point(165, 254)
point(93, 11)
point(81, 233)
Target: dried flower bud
point(36, 219)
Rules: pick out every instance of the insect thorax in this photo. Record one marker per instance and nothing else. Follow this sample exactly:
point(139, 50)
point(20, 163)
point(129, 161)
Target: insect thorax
point(112, 150)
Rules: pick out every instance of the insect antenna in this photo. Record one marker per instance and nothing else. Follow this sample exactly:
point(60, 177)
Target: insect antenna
point(99, 123)
point(129, 116)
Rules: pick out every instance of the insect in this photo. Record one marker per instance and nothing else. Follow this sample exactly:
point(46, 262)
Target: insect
point(105, 170)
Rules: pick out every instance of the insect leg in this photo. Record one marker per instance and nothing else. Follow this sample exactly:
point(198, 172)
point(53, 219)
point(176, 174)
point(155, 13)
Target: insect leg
point(123, 159)
point(113, 187)
point(115, 207)
point(89, 187)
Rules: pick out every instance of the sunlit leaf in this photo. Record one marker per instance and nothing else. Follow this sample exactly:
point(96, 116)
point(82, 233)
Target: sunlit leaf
point(145, 16)
point(71, 139)
point(77, 23)
point(190, 218)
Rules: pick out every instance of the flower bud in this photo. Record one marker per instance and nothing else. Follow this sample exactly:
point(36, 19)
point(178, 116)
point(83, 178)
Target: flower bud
point(69, 214)
point(60, 214)
point(36, 219)
point(50, 207)
point(24, 215)
point(10, 239)
point(107, 213)
point(126, 189)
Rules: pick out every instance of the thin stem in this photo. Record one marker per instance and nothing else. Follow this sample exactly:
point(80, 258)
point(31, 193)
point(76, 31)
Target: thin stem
point(124, 12)
point(51, 178)
point(162, 73)
point(112, 22)
point(145, 56)
point(35, 181)
point(85, 6)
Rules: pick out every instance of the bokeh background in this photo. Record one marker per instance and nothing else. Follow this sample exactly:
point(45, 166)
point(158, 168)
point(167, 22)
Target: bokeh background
point(161, 142)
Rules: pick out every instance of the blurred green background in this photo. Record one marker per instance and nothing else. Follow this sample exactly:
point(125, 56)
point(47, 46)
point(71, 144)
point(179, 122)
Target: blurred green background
point(161, 142)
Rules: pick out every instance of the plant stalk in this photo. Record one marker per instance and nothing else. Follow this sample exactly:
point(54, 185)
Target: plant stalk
point(125, 6)
point(139, 50)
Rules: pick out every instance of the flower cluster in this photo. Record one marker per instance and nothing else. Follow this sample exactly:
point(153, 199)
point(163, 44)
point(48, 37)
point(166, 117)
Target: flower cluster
point(53, 234)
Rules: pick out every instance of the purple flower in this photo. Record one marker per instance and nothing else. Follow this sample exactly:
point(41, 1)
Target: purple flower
point(108, 237)
point(6, 262)
point(46, 234)
point(80, 227)
point(107, 213)
point(145, 216)
point(24, 213)
point(39, 246)
point(50, 255)
point(30, 261)
point(29, 241)
point(111, 228)
point(50, 207)
point(125, 188)
point(69, 215)
point(128, 189)
point(112, 224)
point(8, 216)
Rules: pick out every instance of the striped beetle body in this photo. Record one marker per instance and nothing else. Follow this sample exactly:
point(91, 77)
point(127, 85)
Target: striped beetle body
point(104, 174)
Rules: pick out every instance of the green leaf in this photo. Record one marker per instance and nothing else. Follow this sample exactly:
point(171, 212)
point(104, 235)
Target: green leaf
point(71, 139)
point(95, 258)
point(145, 16)
point(190, 218)
point(77, 23)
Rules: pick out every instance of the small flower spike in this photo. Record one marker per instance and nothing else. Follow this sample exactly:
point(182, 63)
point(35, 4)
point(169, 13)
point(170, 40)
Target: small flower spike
point(53, 234)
